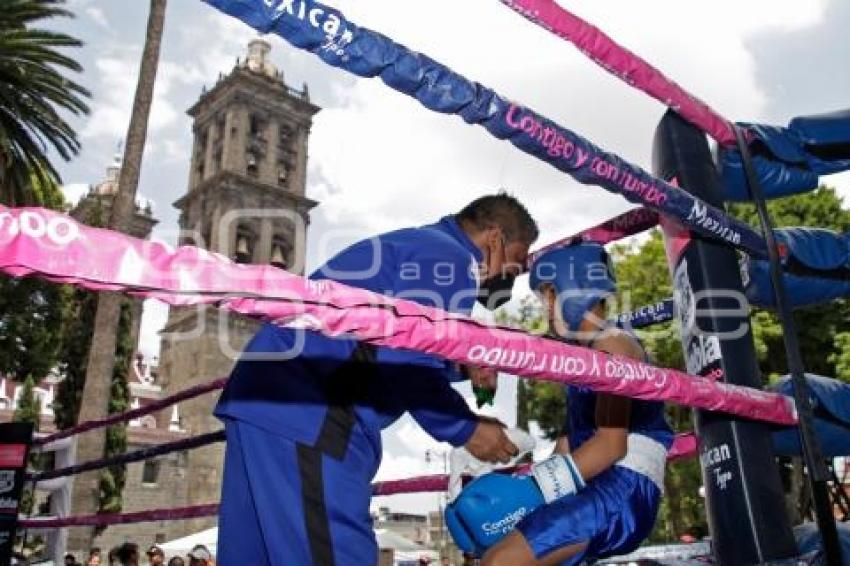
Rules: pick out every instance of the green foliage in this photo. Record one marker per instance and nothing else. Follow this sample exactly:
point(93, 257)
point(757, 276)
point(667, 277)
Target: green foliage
point(841, 356)
point(30, 326)
point(822, 208)
point(78, 318)
point(78, 333)
point(643, 278)
point(28, 411)
point(33, 92)
point(29, 407)
point(819, 327)
point(79, 311)
point(113, 479)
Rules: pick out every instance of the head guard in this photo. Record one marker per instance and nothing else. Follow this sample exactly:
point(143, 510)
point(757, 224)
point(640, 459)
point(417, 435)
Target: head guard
point(581, 274)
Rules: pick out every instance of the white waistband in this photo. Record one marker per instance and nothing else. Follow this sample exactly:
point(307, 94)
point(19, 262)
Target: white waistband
point(646, 456)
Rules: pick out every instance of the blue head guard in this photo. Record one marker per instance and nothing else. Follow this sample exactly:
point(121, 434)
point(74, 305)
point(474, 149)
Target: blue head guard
point(581, 274)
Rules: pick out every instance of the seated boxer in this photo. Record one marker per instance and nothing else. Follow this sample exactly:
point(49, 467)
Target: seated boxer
point(598, 494)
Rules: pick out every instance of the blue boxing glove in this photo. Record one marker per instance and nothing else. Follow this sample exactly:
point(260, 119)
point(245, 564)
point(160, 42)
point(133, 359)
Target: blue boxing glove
point(491, 506)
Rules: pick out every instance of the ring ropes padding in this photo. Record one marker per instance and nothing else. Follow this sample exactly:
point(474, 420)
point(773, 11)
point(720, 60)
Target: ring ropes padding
point(100, 259)
point(625, 65)
point(326, 33)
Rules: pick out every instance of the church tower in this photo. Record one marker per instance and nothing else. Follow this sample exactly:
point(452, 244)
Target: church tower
point(245, 200)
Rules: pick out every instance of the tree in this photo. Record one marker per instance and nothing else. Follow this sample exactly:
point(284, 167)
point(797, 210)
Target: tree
point(841, 356)
point(31, 308)
point(30, 326)
point(29, 407)
point(101, 361)
point(29, 411)
point(77, 336)
point(113, 478)
point(33, 90)
point(819, 327)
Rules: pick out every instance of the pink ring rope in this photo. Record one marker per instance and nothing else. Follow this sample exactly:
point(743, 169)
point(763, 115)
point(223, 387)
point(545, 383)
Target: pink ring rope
point(153, 407)
point(58, 248)
point(625, 65)
point(107, 519)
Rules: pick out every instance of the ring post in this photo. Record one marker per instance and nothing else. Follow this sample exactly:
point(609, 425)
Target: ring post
point(743, 491)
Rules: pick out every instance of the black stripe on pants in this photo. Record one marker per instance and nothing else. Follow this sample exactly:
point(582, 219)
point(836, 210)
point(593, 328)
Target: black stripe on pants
point(313, 499)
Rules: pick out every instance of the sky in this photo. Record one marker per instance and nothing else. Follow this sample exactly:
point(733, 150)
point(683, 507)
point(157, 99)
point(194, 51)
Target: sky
point(379, 161)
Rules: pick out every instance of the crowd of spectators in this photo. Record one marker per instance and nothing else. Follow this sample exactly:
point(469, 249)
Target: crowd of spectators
point(128, 554)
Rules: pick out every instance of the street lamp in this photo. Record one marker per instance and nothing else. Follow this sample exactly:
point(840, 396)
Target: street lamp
point(429, 456)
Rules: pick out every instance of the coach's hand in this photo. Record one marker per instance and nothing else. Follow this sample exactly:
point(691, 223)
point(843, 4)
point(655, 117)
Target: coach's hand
point(490, 443)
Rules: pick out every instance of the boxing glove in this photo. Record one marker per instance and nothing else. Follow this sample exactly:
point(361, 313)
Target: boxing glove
point(461, 462)
point(491, 506)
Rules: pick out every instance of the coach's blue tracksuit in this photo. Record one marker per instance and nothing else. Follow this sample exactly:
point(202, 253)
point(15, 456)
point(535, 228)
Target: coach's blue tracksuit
point(304, 432)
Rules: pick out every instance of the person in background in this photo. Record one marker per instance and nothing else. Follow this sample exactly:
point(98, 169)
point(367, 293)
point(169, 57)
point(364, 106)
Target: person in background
point(127, 554)
point(70, 560)
point(156, 557)
point(94, 557)
point(176, 561)
point(200, 556)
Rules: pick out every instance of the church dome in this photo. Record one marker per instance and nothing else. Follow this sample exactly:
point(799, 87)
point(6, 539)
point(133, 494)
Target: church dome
point(109, 186)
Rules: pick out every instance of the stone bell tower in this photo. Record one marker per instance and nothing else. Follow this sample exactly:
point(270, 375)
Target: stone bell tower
point(245, 200)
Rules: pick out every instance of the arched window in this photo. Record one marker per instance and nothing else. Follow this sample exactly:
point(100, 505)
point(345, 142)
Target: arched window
point(280, 254)
point(251, 161)
point(244, 246)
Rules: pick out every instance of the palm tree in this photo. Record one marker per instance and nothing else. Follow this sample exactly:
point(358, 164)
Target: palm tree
point(97, 389)
point(33, 90)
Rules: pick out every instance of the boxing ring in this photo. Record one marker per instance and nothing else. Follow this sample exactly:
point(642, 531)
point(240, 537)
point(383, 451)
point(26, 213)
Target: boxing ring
point(684, 196)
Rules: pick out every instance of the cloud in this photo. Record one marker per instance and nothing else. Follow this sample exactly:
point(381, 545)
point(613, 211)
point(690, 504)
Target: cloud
point(97, 15)
point(154, 317)
point(842, 184)
point(804, 69)
point(111, 108)
point(74, 191)
point(381, 145)
point(231, 39)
